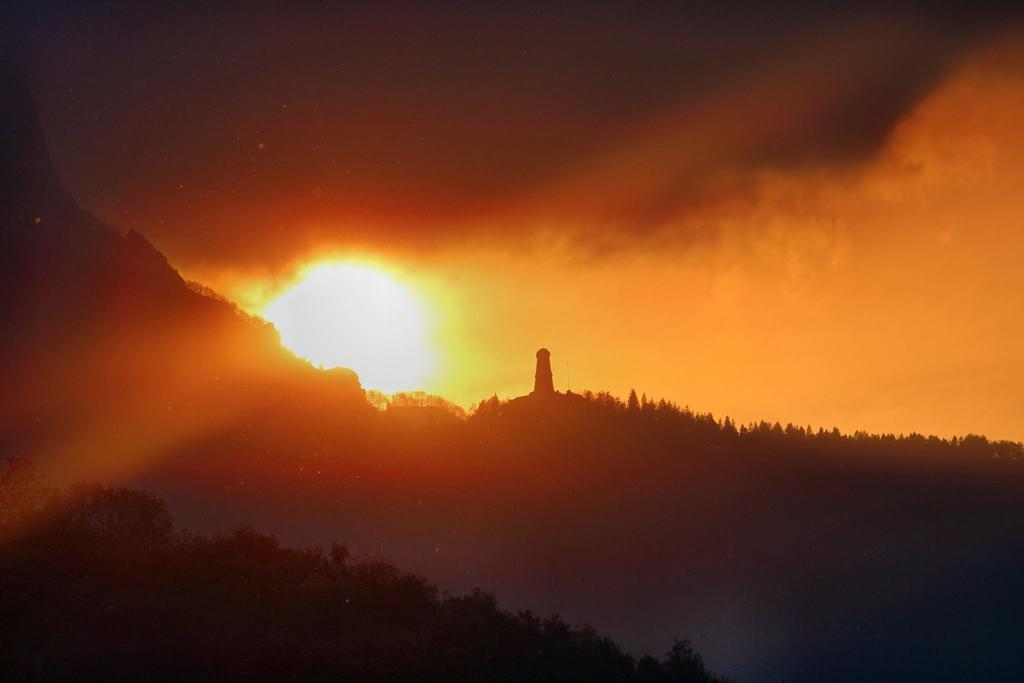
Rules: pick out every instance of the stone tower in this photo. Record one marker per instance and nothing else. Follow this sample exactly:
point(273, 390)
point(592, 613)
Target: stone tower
point(543, 383)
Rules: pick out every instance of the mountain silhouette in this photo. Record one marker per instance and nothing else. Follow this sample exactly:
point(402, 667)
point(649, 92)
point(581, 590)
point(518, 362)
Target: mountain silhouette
point(92, 316)
point(61, 266)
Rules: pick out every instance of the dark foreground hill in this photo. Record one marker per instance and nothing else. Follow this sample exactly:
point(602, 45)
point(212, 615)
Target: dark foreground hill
point(97, 585)
point(784, 553)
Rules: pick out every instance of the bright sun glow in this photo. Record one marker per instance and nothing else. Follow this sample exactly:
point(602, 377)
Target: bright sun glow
point(358, 317)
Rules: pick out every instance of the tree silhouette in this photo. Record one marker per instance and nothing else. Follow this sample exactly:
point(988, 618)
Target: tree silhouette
point(633, 403)
point(106, 589)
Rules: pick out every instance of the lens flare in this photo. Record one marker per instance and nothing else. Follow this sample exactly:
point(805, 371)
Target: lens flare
point(359, 317)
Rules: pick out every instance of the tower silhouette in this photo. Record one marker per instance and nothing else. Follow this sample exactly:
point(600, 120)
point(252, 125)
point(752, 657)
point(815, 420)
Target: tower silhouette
point(543, 382)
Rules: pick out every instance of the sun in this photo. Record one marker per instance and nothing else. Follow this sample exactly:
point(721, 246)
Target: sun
point(359, 317)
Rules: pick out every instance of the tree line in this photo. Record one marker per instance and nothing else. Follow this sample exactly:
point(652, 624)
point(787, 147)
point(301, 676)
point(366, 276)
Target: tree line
point(99, 584)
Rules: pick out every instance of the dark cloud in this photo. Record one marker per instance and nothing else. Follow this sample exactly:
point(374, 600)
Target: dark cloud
point(251, 133)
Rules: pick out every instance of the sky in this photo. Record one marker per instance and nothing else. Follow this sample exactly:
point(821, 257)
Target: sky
point(807, 215)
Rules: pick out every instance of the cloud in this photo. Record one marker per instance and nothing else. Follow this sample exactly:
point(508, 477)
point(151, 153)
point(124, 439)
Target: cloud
point(246, 138)
point(878, 295)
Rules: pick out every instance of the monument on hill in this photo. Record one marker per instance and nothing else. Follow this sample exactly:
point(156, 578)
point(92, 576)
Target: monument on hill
point(543, 382)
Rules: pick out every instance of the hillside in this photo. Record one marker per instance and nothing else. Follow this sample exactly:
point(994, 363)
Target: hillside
point(103, 341)
point(782, 552)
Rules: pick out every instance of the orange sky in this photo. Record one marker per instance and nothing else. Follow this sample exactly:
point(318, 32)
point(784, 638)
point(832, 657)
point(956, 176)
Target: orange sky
point(810, 214)
point(885, 296)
